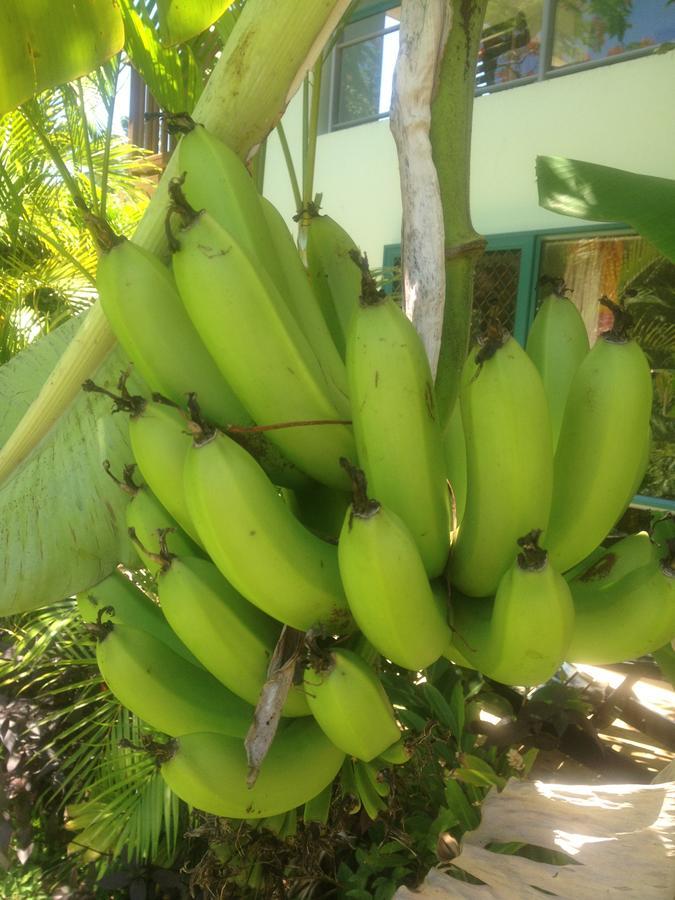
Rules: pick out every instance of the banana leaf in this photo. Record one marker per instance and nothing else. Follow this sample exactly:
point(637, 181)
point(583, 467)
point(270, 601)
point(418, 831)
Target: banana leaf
point(61, 516)
point(603, 194)
point(47, 42)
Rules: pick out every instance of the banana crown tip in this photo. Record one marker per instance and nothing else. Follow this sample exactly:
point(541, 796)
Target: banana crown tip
point(532, 557)
point(363, 507)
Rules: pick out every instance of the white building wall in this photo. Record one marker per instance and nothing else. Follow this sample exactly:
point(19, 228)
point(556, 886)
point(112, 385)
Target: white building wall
point(618, 115)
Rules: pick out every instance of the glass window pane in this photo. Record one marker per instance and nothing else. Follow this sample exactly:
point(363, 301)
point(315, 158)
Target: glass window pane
point(628, 265)
point(509, 46)
point(587, 30)
point(365, 68)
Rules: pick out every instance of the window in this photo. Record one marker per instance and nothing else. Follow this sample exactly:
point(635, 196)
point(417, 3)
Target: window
point(523, 41)
point(592, 263)
point(363, 68)
point(592, 30)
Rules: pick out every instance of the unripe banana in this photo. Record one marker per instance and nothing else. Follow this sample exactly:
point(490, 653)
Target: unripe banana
point(334, 274)
point(146, 515)
point(232, 639)
point(348, 701)
point(305, 307)
point(524, 637)
point(259, 535)
point(398, 436)
point(142, 305)
point(160, 441)
point(259, 347)
point(147, 315)
point(218, 181)
point(509, 464)
point(633, 616)
point(556, 344)
point(600, 450)
point(387, 587)
point(396, 755)
point(617, 561)
point(130, 606)
point(209, 772)
point(163, 689)
point(454, 444)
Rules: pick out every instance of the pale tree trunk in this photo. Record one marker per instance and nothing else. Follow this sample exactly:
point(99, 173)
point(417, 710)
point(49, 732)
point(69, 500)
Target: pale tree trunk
point(424, 31)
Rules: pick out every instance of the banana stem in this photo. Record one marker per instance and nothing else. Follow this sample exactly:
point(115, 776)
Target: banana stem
point(451, 118)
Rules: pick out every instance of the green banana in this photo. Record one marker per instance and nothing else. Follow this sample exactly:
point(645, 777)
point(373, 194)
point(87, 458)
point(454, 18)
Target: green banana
point(305, 307)
point(146, 516)
point(632, 616)
point(396, 755)
point(398, 436)
point(232, 639)
point(147, 315)
point(130, 606)
point(509, 464)
point(334, 274)
point(160, 441)
point(319, 508)
point(249, 532)
point(454, 445)
point(209, 772)
point(600, 450)
point(348, 701)
point(626, 555)
point(523, 636)
point(259, 347)
point(556, 344)
point(142, 305)
point(163, 689)
point(386, 585)
point(218, 181)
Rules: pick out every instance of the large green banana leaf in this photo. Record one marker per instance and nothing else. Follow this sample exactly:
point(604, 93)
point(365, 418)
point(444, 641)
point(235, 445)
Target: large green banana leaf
point(603, 194)
point(47, 42)
point(61, 516)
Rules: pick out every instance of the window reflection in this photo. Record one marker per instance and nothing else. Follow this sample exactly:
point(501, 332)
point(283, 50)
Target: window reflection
point(510, 44)
point(587, 30)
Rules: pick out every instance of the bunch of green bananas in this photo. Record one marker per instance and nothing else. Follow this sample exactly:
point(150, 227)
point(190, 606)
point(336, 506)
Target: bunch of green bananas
point(296, 474)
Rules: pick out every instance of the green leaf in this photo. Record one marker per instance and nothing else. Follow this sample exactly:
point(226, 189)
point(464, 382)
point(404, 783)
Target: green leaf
point(459, 806)
point(603, 194)
point(43, 45)
point(61, 517)
point(180, 20)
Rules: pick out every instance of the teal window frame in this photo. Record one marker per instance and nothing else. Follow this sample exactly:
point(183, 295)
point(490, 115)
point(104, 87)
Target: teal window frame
point(530, 244)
